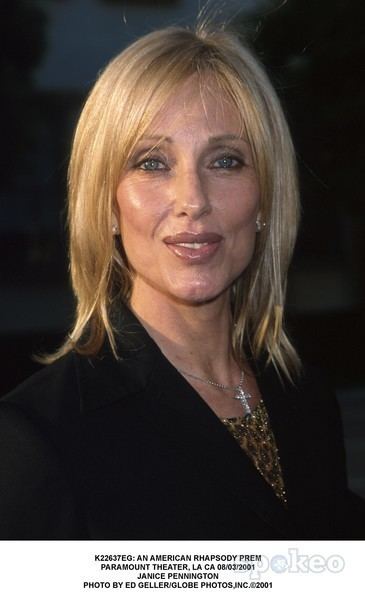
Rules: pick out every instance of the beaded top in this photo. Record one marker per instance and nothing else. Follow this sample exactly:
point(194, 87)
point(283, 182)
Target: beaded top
point(255, 436)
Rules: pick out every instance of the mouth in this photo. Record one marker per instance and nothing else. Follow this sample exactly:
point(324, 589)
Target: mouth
point(194, 247)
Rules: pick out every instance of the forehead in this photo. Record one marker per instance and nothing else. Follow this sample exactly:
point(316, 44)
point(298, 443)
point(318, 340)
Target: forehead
point(198, 103)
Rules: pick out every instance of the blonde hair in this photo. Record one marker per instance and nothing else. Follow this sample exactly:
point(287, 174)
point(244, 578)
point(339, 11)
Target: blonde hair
point(127, 96)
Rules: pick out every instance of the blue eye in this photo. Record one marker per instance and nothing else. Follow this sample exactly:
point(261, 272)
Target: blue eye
point(226, 162)
point(151, 164)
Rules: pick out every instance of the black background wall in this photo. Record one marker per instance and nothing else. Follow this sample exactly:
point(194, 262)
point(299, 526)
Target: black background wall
point(315, 54)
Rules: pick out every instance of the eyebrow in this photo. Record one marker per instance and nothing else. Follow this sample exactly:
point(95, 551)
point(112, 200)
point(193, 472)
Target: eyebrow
point(212, 139)
point(226, 137)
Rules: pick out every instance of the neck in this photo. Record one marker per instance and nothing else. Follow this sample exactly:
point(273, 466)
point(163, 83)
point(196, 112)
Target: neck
point(194, 338)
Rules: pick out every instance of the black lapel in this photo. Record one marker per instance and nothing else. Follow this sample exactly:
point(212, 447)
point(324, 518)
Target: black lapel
point(303, 429)
point(169, 398)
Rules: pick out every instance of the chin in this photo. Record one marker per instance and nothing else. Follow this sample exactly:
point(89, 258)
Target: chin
point(202, 288)
point(197, 295)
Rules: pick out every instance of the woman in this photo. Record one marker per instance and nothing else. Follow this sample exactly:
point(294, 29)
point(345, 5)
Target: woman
point(178, 408)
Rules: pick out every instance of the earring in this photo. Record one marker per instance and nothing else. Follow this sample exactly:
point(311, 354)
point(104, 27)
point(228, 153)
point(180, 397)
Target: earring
point(260, 225)
point(115, 229)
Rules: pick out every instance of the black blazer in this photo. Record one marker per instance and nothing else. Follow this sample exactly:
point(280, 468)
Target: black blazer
point(106, 449)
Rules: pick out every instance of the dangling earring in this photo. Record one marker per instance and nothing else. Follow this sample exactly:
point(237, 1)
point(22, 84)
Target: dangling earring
point(260, 225)
point(115, 229)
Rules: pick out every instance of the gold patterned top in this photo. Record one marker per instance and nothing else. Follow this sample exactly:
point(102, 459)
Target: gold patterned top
point(255, 436)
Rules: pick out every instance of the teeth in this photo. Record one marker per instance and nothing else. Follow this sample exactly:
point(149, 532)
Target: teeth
point(193, 245)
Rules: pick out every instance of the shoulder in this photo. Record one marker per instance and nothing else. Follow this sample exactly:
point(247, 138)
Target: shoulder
point(42, 412)
point(73, 386)
point(50, 393)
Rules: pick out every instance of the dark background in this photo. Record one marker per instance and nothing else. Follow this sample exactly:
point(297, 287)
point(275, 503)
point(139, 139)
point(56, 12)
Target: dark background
point(314, 51)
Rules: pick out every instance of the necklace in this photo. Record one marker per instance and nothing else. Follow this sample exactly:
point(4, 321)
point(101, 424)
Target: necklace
point(239, 392)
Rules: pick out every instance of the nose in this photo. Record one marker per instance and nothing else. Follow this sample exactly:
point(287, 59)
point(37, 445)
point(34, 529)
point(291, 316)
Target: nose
point(191, 195)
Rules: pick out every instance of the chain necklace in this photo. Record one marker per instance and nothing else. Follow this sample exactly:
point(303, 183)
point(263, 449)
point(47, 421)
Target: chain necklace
point(239, 392)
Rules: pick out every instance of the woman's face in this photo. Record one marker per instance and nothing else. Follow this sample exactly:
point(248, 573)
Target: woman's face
point(188, 200)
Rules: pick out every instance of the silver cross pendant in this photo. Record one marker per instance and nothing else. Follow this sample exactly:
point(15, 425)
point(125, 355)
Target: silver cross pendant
point(243, 397)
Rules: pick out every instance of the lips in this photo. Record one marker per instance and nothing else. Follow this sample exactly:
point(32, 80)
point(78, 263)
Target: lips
point(193, 247)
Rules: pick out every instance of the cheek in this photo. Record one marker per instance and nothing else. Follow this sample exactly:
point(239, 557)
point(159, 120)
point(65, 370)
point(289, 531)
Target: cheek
point(141, 208)
point(247, 215)
point(239, 210)
point(238, 193)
